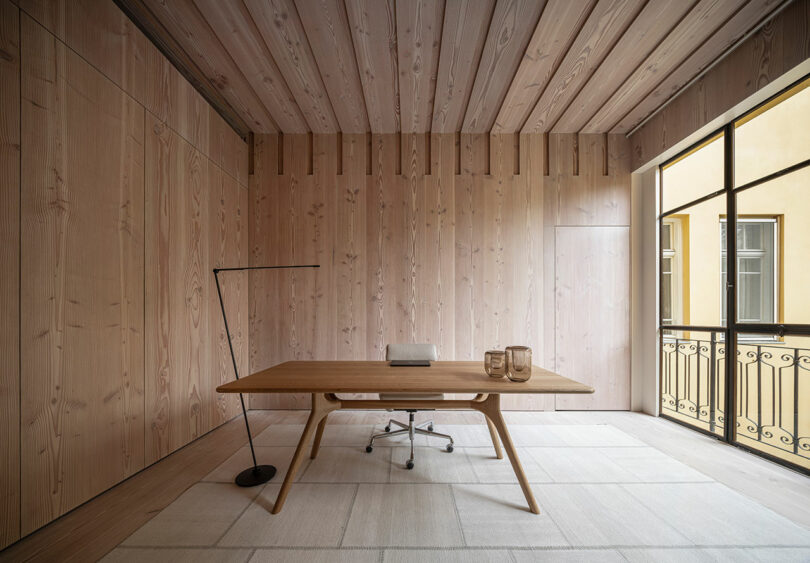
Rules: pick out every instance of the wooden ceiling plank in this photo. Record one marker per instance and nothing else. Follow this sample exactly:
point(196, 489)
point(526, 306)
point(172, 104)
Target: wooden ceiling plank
point(606, 23)
point(557, 29)
point(281, 29)
point(650, 27)
point(510, 30)
point(717, 44)
point(374, 35)
point(185, 25)
point(419, 32)
point(703, 20)
point(327, 27)
point(236, 31)
point(463, 36)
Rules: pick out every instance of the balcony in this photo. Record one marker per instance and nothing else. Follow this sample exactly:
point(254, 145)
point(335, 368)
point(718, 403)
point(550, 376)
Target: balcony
point(772, 382)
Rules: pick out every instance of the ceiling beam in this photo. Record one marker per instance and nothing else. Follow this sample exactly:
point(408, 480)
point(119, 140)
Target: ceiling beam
point(170, 48)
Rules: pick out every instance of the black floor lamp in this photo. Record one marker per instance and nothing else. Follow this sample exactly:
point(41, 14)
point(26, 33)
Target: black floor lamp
point(257, 474)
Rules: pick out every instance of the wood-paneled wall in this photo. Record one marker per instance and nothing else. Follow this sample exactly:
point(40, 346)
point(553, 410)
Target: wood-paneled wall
point(10, 274)
point(121, 190)
point(447, 239)
point(780, 45)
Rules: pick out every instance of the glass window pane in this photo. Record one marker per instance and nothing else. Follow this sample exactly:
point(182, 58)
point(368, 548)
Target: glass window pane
point(695, 175)
point(773, 138)
point(785, 245)
point(666, 236)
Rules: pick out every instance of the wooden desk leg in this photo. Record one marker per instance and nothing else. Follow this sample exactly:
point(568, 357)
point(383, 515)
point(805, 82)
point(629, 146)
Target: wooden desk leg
point(321, 407)
point(493, 433)
point(316, 444)
point(491, 407)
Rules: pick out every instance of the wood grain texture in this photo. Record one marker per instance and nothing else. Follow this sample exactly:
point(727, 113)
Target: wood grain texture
point(374, 35)
point(510, 30)
point(281, 29)
point(112, 44)
point(327, 28)
point(81, 278)
point(648, 29)
point(463, 36)
point(419, 29)
point(559, 25)
point(183, 21)
point(228, 238)
point(415, 251)
point(378, 376)
point(591, 197)
point(593, 315)
point(699, 24)
point(604, 27)
point(731, 31)
point(178, 285)
point(10, 279)
point(780, 45)
point(235, 29)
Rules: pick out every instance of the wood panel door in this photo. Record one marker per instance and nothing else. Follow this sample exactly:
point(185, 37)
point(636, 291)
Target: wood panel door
point(592, 315)
point(81, 278)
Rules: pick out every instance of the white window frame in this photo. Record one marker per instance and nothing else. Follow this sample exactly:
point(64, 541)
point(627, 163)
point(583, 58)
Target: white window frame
point(675, 254)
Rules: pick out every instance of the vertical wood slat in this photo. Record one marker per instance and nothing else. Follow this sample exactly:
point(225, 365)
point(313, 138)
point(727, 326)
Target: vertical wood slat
point(81, 273)
point(9, 280)
point(463, 260)
point(83, 226)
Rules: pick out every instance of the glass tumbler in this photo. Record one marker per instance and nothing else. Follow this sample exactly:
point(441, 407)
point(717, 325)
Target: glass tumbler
point(518, 363)
point(495, 363)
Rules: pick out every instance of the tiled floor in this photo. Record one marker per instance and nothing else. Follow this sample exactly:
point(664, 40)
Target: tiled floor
point(604, 496)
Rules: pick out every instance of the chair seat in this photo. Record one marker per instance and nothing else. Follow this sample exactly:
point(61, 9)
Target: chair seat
point(411, 396)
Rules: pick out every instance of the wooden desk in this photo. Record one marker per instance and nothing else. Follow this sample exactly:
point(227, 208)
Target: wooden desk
point(323, 380)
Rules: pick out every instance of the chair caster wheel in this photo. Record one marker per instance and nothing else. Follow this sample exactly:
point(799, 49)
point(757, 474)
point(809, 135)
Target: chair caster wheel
point(449, 448)
point(368, 449)
point(388, 429)
point(409, 465)
point(430, 428)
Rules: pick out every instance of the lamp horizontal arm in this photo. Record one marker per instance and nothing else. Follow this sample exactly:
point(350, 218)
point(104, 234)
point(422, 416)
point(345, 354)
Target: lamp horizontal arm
point(217, 270)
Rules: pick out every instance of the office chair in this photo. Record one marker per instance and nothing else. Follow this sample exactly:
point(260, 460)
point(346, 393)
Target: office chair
point(410, 352)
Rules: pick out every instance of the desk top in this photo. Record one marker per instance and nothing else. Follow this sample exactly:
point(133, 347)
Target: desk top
point(379, 377)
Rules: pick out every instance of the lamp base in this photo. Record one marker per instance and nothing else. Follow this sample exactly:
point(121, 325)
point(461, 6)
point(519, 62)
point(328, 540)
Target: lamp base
point(253, 476)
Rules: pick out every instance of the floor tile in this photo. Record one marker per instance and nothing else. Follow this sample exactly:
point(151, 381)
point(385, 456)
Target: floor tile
point(713, 514)
point(169, 555)
point(315, 556)
point(649, 465)
point(314, 515)
point(197, 517)
point(280, 435)
point(464, 435)
point(432, 465)
point(594, 436)
point(534, 435)
point(718, 555)
point(761, 554)
point(604, 515)
point(403, 515)
point(497, 515)
point(346, 435)
point(489, 469)
point(446, 556)
point(279, 457)
point(580, 465)
point(348, 465)
point(568, 556)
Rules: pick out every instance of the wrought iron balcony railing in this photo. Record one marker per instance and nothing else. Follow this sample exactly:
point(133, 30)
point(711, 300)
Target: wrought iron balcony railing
point(773, 392)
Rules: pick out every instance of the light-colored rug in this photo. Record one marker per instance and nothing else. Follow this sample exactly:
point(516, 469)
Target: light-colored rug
point(604, 496)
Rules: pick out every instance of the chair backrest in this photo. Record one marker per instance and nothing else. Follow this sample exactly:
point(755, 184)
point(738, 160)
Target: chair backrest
point(411, 352)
